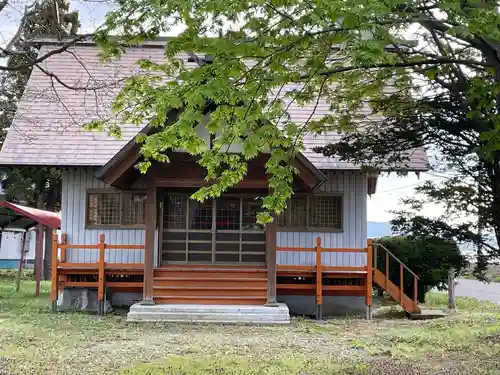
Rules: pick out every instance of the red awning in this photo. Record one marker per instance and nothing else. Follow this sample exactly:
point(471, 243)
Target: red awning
point(22, 217)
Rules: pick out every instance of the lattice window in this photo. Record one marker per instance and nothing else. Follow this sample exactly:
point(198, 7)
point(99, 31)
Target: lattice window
point(116, 208)
point(200, 215)
point(228, 214)
point(134, 208)
point(295, 215)
point(175, 212)
point(251, 207)
point(325, 211)
point(313, 212)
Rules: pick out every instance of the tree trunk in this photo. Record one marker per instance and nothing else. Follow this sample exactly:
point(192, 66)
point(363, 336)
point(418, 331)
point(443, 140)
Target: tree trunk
point(451, 289)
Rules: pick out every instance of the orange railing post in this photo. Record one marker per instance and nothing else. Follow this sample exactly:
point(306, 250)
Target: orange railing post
point(63, 250)
point(386, 270)
point(54, 277)
point(401, 283)
point(62, 257)
point(100, 289)
point(369, 278)
point(319, 280)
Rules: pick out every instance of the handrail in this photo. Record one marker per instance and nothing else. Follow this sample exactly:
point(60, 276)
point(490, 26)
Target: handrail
point(396, 258)
point(101, 264)
point(320, 269)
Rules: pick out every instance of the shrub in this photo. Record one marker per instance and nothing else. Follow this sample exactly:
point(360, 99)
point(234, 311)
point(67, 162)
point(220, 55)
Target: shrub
point(429, 257)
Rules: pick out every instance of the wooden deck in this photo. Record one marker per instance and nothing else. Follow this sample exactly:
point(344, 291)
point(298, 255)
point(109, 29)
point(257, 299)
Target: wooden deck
point(233, 284)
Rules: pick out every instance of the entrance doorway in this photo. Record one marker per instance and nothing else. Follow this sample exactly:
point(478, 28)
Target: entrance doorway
point(217, 231)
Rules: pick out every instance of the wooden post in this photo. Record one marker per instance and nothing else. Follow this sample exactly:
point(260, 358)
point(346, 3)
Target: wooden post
point(47, 253)
point(21, 260)
point(149, 247)
point(375, 261)
point(100, 288)
point(63, 251)
point(451, 290)
point(386, 270)
point(319, 280)
point(271, 263)
point(401, 282)
point(62, 257)
point(369, 279)
point(38, 259)
point(54, 278)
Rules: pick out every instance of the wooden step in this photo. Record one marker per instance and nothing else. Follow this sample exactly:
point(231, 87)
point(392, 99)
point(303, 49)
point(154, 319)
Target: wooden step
point(203, 292)
point(207, 268)
point(203, 274)
point(228, 300)
point(240, 282)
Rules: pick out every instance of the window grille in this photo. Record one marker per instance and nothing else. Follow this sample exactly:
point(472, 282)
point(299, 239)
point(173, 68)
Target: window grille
point(116, 208)
point(313, 212)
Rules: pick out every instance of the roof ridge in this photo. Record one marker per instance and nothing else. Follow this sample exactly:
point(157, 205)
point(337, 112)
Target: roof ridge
point(86, 39)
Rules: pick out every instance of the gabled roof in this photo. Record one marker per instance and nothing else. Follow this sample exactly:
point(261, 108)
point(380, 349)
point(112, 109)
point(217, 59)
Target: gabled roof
point(47, 128)
point(16, 216)
point(119, 171)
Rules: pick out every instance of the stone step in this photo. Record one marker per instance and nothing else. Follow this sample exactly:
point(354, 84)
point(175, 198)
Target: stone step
point(221, 314)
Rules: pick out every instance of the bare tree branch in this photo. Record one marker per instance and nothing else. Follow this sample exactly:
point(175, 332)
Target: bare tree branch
point(42, 58)
point(3, 4)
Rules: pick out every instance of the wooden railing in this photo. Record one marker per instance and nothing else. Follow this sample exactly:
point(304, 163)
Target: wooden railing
point(383, 276)
point(61, 268)
point(319, 270)
point(372, 273)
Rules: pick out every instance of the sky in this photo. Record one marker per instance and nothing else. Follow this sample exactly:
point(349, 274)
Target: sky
point(390, 189)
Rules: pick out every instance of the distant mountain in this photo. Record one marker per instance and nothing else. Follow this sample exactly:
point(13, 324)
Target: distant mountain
point(378, 229)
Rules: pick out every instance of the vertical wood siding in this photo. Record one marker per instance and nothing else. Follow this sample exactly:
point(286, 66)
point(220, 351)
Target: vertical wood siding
point(75, 183)
point(353, 186)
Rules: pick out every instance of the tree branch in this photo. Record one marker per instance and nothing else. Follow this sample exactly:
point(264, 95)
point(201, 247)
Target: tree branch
point(443, 60)
point(3, 4)
point(41, 58)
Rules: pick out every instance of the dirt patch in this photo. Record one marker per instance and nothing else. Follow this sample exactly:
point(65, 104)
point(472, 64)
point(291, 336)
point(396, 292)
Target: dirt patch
point(492, 339)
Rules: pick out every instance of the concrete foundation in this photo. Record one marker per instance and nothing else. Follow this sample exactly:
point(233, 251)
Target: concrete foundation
point(332, 305)
point(81, 299)
point(124, 299)
point(222, 314)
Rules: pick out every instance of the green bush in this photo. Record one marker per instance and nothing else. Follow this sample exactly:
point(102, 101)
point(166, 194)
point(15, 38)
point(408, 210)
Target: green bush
point(428, 257)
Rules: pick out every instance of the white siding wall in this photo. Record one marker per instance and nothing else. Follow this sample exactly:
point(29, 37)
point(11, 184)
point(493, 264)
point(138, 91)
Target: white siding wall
point(75, 183)
point(353, 186)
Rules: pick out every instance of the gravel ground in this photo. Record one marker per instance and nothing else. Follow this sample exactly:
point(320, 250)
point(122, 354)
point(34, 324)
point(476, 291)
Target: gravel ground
point(34, 341)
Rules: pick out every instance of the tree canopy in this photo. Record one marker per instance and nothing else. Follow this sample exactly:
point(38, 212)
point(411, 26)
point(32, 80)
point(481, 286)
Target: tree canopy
point(431, 69)
point(37, 186)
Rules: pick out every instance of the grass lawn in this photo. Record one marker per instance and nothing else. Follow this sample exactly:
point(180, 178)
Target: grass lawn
point(35, 341)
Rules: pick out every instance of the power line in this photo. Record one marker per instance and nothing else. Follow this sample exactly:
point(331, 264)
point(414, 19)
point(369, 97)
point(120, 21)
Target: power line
point(411, 185)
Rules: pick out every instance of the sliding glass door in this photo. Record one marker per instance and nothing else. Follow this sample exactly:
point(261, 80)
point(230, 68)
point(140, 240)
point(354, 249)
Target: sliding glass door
point(219, 231)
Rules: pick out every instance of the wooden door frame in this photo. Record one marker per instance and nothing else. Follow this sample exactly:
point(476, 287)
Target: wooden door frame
point(161, 208)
